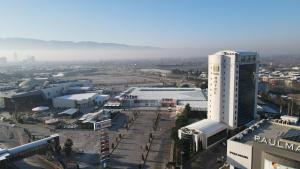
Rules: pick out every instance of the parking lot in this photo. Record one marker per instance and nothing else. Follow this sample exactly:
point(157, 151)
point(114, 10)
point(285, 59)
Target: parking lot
point(160, 149)
point(128, 153)
point(207, 158)
point(129, 149)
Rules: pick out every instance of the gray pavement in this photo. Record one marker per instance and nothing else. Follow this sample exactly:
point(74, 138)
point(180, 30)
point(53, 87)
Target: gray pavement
point(207, 158)
point(128, 154)
point(160, 149)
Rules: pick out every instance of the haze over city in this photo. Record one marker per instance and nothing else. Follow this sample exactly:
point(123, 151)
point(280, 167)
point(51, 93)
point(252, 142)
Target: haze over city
point(149, 84)
point(168, 28)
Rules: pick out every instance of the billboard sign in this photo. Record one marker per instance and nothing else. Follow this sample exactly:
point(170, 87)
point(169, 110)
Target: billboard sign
point(102, 124)
point(277, 143)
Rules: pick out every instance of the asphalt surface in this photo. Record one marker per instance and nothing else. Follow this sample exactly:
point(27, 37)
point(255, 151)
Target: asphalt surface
point(160, 149)
point(128, 154)
point(207, 159)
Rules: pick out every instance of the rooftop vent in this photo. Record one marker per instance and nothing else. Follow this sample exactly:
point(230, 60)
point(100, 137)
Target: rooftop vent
point(245, 132)
point(239, 136)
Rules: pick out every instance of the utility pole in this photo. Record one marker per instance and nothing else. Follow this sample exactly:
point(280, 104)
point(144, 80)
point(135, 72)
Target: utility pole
point(292, 108)
point(181, 156)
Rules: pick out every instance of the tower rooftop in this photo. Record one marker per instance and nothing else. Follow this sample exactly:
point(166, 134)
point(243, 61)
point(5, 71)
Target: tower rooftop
point(240, 52)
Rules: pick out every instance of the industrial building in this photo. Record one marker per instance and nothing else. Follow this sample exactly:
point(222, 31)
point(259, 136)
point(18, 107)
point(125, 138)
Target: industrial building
point(88, 120)
point(39, 91)
point(268, 144)
point(84, 102)
point(164, 97)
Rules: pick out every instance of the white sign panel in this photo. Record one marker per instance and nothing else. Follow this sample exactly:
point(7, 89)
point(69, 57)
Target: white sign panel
point(277, 143)
point(239, 154)
point(102, 124)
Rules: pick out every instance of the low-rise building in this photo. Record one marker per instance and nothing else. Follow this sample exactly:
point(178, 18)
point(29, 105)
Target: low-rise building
point(88, 120)
point(84, 102)
point(164, 97)
point(36, 92)
point(265, 145)
point(203, 134)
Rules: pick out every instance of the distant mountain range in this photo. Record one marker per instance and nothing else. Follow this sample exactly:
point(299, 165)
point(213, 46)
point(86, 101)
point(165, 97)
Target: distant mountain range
point(27, 43)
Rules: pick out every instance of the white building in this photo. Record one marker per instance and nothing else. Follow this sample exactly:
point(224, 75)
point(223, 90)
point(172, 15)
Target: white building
point(232, 87)
point(204, 133)
point(232, 95)
point(85, 102)
point(265, 145)
point(58, 89)
point(165, 97)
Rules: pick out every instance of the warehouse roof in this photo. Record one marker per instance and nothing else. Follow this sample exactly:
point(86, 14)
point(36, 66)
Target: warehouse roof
point(82, 96)
point(155, 93)
point(70, 111)
point(40, 108)
point(206, 126)
point(194, 103)
point(240, 52)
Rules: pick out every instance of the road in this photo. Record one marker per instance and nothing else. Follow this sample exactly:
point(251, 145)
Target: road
point(128, 154)
point(207, 158)
point(160, 149)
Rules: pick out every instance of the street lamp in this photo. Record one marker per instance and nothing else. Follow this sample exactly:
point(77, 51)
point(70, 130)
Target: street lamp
point(15, 109)
point(181, 155)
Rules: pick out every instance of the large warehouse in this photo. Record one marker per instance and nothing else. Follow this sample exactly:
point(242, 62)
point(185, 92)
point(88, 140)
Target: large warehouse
point(164, 97)
point(85, 102)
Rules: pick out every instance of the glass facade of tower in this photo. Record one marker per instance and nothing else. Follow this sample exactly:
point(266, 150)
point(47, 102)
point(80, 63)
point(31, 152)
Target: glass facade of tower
point(246, 98)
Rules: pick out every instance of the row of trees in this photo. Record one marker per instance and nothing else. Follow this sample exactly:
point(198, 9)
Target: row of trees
point(184, 146)
point(191, 72)
point(68, 147)
point(181, 146)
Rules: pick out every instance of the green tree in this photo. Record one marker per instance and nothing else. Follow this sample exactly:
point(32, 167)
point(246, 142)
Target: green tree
point(181, 121)
point(187, 111)
point(68, 147)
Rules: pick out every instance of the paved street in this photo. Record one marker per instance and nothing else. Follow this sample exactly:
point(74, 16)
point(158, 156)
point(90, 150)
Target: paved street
point(128, 153)
point(207, 158)
point(160, 149)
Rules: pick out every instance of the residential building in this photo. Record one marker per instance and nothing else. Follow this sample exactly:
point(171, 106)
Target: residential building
point(232, 87)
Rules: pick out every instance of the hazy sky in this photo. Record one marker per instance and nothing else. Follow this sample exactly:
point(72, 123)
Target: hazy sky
point(265, 25)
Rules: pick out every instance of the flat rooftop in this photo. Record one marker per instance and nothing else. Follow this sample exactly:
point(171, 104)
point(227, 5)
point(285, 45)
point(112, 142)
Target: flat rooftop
point(268, 129)
point(82, 96)
point(156, 93)
point(205, 126)
point(195, 103)
point(240, 52)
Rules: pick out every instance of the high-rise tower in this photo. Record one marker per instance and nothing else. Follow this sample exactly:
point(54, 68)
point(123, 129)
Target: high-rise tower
point(232, 87)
